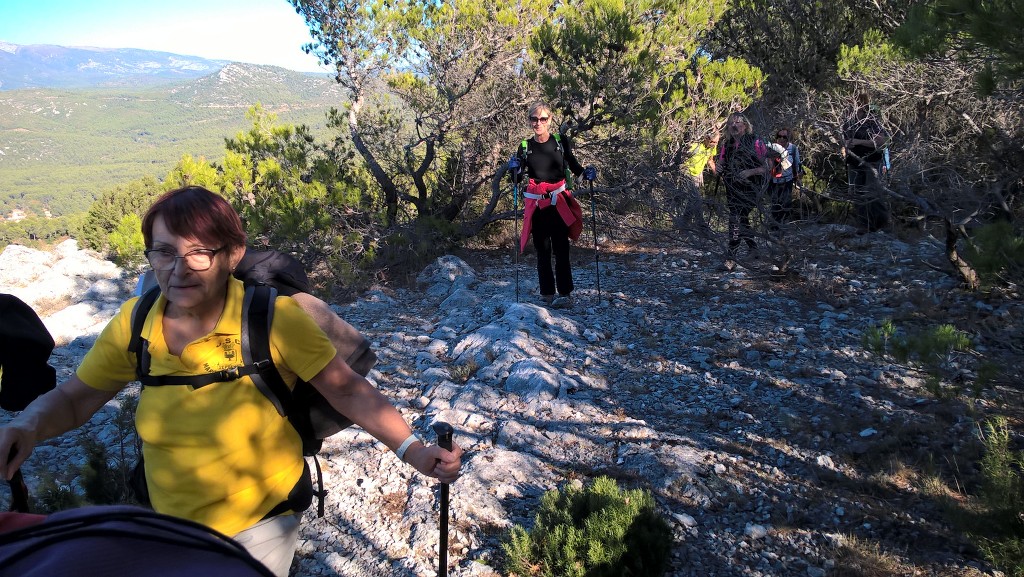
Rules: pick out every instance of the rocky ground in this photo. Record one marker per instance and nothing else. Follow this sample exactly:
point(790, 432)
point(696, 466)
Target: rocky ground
point(744, 400)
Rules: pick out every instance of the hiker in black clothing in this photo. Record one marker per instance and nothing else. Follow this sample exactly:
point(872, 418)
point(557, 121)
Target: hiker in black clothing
point(550, 212)
point(741, 163)
point(219, 454)
point(864, 151)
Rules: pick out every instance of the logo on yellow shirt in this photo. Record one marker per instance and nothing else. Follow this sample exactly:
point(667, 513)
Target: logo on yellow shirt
point(230, 356)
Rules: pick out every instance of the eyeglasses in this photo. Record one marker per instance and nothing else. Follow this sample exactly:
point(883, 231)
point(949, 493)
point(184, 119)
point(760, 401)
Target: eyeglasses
point(198, 260)
point(539, 118)
point(782, 136)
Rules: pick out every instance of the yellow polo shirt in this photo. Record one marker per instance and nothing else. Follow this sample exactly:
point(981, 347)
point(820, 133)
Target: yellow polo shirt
point(220, 455)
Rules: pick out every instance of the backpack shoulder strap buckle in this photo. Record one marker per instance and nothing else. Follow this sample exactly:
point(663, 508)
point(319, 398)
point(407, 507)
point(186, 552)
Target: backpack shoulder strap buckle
point(231, 374)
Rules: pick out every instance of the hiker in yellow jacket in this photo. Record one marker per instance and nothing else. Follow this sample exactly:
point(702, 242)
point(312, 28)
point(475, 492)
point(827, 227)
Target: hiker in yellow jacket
point(219, 454)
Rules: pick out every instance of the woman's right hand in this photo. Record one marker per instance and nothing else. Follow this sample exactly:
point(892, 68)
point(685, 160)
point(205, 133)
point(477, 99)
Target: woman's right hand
point(67, 406)
point(16, 444)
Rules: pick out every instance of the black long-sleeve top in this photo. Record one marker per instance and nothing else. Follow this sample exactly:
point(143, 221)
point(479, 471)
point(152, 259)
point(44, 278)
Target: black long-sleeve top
point(545, 163)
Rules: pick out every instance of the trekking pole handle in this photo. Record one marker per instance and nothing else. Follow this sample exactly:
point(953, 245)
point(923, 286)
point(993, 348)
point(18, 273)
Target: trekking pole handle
point(19, 490)
point(444, 433)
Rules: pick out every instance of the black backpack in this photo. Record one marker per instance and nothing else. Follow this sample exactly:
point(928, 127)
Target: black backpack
point(25, 373)
point(266, 274)
point(25, 347)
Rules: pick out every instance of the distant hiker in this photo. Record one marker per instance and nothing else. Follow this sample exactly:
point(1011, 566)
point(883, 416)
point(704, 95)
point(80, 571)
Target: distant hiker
point(785, 173)
point(550, 213)
point(218, 454)
point(701, 157)
point(741, 163)
point(863, 147)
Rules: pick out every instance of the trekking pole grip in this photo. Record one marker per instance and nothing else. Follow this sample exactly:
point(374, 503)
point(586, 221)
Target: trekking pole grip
point(444, 433)
point(19, 490)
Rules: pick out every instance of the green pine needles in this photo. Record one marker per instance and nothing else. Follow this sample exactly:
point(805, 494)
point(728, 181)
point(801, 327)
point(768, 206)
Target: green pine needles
point(600, 531)
point(936, 351)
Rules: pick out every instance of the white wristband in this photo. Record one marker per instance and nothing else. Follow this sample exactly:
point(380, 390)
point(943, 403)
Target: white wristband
point(400, 451)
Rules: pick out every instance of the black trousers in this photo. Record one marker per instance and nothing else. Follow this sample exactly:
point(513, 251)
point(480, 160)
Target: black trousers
point(872, 209)
point(551, 235)
point(742, 199)
point(782, 203)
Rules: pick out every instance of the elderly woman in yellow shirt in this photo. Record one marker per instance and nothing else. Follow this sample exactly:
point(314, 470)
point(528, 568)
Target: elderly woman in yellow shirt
point(220, 455)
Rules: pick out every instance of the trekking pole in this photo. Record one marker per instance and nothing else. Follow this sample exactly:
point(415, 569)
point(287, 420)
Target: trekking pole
point(515, 239)
point(593, 227)
point(19, 493)
point(444, 433)
point(19, 490)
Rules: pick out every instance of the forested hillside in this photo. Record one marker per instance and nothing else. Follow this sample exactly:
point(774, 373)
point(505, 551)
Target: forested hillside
point(59, 150)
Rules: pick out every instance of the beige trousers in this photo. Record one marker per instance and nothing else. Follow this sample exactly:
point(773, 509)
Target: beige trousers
point(272, 541)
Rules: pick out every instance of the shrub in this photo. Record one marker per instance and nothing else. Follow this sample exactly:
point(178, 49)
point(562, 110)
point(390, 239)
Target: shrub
point(996, 252)
point(601, 531)
point(999, 535)
point(54, 495)
point(933, 350)
point(99, 480)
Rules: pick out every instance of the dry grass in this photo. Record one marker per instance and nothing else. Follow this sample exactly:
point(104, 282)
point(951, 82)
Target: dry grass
point(394, 505)
point(855, 557)
point(48, 306)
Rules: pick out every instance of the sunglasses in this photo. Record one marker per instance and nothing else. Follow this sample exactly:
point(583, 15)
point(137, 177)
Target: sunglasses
point(539, 118)
point(782, 136)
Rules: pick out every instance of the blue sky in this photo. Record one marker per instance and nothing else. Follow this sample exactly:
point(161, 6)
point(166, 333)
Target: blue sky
point(256, 31)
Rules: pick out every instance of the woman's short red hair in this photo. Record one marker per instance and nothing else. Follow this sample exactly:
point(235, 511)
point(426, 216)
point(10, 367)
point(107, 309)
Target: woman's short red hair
point(195, 212)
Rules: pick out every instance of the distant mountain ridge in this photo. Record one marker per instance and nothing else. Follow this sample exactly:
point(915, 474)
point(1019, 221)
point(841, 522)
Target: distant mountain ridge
point(51, 66)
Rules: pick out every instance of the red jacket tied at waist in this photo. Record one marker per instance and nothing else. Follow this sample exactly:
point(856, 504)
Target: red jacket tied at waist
point(565, 204)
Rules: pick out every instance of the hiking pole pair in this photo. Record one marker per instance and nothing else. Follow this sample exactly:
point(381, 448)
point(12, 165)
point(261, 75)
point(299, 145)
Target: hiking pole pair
point(444, 433)
point(593, 227)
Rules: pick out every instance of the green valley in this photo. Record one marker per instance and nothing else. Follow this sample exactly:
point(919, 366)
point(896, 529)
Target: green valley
point(60, 149)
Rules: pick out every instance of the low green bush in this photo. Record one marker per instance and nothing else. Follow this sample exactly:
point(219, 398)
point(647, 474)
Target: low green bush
point(935, 351)
point(599, 531)
point(996, 251)
point(1001, 534)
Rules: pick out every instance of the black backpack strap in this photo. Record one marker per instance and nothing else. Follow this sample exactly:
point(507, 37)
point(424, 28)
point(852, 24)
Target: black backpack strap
point(137, 344)
point(198, 381)
point(140, 346)
point(257, 318)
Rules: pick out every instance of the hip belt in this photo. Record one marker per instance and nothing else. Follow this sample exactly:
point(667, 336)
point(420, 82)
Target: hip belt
point(552, 195)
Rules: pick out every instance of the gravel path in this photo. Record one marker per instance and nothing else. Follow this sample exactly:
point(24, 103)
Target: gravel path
point(744, 400)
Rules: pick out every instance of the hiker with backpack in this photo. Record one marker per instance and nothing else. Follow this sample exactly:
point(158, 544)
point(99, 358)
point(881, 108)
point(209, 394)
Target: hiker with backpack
point(218, 453)
point(550, 212)
point(742, 165)
point(864, 141)
point(786, 172)
point(700, 158)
